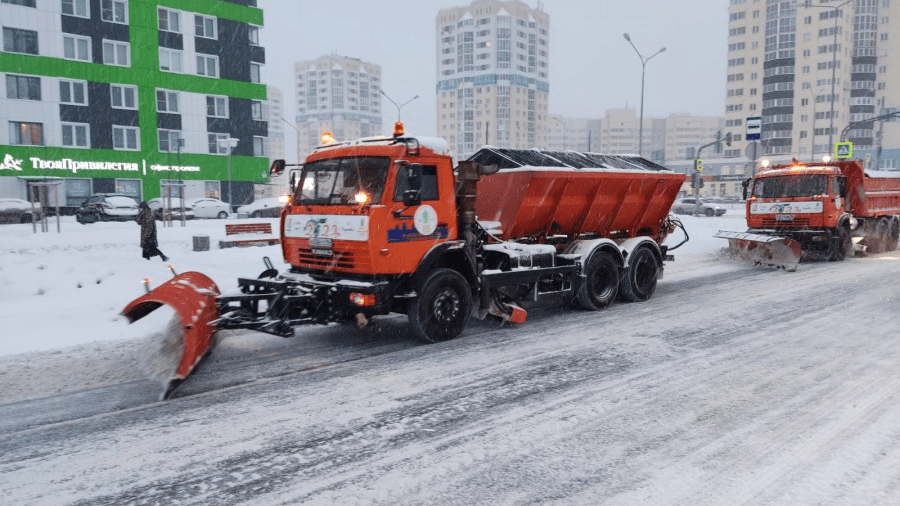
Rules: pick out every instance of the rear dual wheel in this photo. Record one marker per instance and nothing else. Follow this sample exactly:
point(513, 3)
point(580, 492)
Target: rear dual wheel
point(601, 282)
point(641, 275)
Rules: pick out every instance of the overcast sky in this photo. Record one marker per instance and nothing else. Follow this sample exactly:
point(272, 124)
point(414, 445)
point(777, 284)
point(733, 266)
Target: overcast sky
point(592, 66)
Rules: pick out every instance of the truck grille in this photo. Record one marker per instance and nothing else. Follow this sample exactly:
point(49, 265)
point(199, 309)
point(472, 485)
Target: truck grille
point(793, 224)
point(340, 260)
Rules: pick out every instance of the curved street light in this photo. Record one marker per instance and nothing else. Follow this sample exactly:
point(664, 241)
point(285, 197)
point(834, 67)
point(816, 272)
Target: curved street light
point(395, 103)
point(644, 60)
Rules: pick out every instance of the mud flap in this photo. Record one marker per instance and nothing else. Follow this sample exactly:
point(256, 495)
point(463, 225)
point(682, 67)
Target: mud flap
point(764, 250)
point(193, 297)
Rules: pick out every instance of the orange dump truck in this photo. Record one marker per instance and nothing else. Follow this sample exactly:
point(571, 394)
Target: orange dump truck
point(822, 210)
point(388, 225)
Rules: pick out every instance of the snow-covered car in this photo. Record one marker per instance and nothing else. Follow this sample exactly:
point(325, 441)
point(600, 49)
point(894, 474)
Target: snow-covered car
point(208, 207)
point(689, 206)
point(18, 211)
point(175, 208)
point(262, 208)
point(107, 207)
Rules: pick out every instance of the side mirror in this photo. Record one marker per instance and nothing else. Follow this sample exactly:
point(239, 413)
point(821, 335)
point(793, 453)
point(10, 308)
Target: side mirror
point(277, 167)
point(293, 181)
point(746, 185)
point(842, 184)
point(411, 196)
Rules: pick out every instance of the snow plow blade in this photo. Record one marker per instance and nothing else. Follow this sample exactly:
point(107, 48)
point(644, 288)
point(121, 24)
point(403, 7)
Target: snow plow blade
point(193, 297)
point(764, 250)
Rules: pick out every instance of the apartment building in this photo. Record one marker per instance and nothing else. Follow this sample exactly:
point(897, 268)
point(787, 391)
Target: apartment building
point(127, 96)
point(336, 94)
point(813, 70)
point(493, 75)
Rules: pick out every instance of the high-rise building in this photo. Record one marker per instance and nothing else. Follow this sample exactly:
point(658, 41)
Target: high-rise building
point(493, 75)
point(273, 110)
point(339, 95)
point(127, 96)
point(813, 70)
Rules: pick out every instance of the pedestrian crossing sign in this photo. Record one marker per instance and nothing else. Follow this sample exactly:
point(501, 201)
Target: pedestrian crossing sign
point(843, 150)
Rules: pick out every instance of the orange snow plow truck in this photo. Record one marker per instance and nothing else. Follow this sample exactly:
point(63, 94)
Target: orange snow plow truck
point(387, 225)
point(817, 211)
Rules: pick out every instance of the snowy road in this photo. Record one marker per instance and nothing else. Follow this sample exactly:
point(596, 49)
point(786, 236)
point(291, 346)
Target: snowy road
point(733, 385)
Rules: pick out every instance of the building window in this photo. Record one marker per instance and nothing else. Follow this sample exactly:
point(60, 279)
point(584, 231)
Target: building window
point(254, 72)
point(75, 135)
point(114, 11)
point(73, 92)
point(170, 60)
point(166, 101)
point(214, 147)
point(169, 140)
point(76, 48)
point(116, 53)
point(217, 107)
point(20, 41)
point(207, 65)
point(205, 26)
point(23, 87)
point(24, 3)
point(169, 20)
point(123, 97)
point(256, 110)
point(259, 146)
point(125, 138)
point(254, 35)
point(26, 134)
point(76, 8)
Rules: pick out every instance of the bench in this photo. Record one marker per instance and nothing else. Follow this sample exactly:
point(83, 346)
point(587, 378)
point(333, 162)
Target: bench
point(244, 229)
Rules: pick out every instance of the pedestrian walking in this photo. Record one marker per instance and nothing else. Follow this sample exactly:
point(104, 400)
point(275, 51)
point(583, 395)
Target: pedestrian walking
point(149, 245)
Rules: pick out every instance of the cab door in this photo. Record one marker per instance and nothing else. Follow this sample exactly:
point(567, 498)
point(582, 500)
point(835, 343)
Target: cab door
point(414, 230)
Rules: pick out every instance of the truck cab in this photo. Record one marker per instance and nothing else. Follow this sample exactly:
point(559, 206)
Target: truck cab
point(797, 198)
point(353, 212)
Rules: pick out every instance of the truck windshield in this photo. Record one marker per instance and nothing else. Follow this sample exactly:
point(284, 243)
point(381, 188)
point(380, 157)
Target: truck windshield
point(336, 181)
point(790, 186)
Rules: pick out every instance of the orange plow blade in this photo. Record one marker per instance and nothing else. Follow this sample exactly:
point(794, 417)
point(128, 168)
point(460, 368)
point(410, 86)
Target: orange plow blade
point(193, 297)
point(764, 250)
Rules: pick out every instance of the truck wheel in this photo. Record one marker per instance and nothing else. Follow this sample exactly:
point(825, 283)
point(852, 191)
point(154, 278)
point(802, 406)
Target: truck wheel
point(601, 282)
point(878, 241)
point(442, 309)
point(641, 275)
point(893, 236)
point(840, 244)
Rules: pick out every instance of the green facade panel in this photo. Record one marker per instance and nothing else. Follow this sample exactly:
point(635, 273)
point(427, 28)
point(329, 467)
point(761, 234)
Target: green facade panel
point(148, 163)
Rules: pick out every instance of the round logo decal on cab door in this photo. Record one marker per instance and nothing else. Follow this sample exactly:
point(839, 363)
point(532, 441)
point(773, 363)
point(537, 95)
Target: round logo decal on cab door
point(425, 220)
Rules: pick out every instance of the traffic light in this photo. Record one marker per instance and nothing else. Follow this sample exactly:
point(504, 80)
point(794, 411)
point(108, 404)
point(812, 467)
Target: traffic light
point(728, 139)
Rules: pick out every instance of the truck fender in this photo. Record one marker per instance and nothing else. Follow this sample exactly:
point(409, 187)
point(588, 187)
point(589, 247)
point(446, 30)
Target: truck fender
point(586, 248)
point(629, 245)
point(451, 255)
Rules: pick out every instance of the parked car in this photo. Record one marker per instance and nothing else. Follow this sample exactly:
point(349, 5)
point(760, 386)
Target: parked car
point(208, 207)
point(175, 208)
point(689, 206)
point(18, 211)
point(107, 207)
point(262, 208)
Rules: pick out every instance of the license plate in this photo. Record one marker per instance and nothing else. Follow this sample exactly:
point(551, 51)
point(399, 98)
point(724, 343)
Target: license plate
point(784, 217)
point(320, 242)
point(322, 252)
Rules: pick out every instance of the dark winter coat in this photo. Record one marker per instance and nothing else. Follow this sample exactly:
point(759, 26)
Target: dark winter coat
point(148, 230)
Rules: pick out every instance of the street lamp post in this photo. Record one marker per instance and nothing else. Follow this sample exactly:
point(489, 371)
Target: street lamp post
point(297, 137)
point(395, 103)
point(229, 143)
point(644, 61)
point(833, 62)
